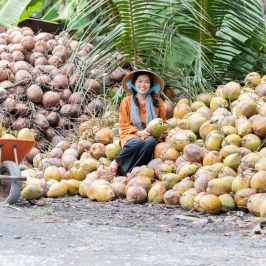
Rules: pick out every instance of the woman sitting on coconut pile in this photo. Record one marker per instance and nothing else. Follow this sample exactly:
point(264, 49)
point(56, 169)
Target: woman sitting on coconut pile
point(136, 111)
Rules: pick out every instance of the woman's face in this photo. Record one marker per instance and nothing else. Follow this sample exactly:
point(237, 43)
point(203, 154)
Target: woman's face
point(143, 84)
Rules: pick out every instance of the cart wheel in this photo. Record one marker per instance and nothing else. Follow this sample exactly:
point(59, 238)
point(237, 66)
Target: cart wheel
point(9, 190)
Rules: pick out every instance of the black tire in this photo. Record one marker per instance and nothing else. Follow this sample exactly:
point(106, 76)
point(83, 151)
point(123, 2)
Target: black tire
point(13, 187)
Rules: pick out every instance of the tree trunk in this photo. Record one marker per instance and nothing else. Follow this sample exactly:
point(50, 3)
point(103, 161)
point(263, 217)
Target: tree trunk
point(263, 5)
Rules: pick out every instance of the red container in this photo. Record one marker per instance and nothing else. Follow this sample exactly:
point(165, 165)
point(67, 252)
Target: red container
point(23, 148)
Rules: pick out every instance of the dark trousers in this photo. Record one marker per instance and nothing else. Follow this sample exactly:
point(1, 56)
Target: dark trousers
point(136, 153)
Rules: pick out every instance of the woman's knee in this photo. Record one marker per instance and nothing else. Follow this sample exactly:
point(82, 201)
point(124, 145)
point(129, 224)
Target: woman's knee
point(150, 141)
point(134, 143)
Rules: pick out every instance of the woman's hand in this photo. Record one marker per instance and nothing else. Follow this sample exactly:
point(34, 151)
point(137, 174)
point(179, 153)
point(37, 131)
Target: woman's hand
point(143, 133)
point(164, 135)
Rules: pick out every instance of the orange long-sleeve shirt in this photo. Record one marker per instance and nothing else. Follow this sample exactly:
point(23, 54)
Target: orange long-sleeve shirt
point(125, 123)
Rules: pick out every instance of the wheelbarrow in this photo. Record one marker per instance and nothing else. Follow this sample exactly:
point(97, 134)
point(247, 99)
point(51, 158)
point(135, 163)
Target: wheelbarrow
point(12, 154)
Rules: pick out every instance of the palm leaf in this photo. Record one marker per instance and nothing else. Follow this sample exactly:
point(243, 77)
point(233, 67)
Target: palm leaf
point(11, 12)
point(149, 34)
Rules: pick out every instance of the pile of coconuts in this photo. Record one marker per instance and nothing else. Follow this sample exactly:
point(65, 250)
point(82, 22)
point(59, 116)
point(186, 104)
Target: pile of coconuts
point(213, 159)
point(38, 84)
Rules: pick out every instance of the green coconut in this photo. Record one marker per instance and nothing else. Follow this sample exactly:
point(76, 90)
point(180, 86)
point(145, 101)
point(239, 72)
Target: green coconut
point(188, 198)
point(165, 169)
point(246, 108)
point(182, 138)
point(229, 150)
point(240, 182)
point(31, 192)
point(228, 203)
point(169, 180)
point(232, 139)
point(249, 161)
point(262, 153)
point(188, 170)
point(231, 91)
point(196, 105)
point(229, 180)
point(218, 102)
point(218, 187)
point(251, 142)
point(156, 127)
point(214, 140)
point(232, 161)
point(156, 193)
point(112, 150)
point(195, 122)
point(208, 127)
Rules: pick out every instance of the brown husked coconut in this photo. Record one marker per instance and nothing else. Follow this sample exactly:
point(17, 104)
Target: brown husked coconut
point(49, 134)
point(16, 47)
point(71, 110)
point(43, 79)
point(41, 123)
point(56, 153)
point(53, 119)
point(68, 161)
point(61, 80)
point(18, 56)
point(50, 99)
point(55, 61)
point(20, 124)
point(63, 145)
point(172, 197)
point(38, 159)
point(83, 145)
point(41, 47)
point(193, 153)
point(94, 107)
point(41, 61)
point(97, 150)
point(142, 181)
point(65, 95)
point(136, 194)
point(93, 86)
point(119, 189)
point(28, 43)
point(201, 183)
point(180, 159)
point(169, 109)
point(105, 173)
point(104, 136)
point(7, 56)
point(160, 147)
point(35, 93)
point(72, 152)
point(33, 153)
point(152, 164)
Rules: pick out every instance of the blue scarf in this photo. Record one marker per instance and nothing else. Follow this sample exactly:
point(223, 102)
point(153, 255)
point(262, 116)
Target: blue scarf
point(150, 109)
point(157, 88)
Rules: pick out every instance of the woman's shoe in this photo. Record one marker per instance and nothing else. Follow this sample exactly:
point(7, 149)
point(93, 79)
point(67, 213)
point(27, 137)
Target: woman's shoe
point(113, 170)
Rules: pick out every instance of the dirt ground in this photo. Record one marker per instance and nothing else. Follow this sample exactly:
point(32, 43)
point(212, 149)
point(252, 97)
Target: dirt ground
point(77, 231)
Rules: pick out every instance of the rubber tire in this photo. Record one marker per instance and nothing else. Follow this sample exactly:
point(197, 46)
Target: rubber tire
point(15, 188)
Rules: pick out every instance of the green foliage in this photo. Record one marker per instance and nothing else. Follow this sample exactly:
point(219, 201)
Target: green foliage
point(42, 211)
point(147, 34)
point(11, 11)
point(33, 5)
